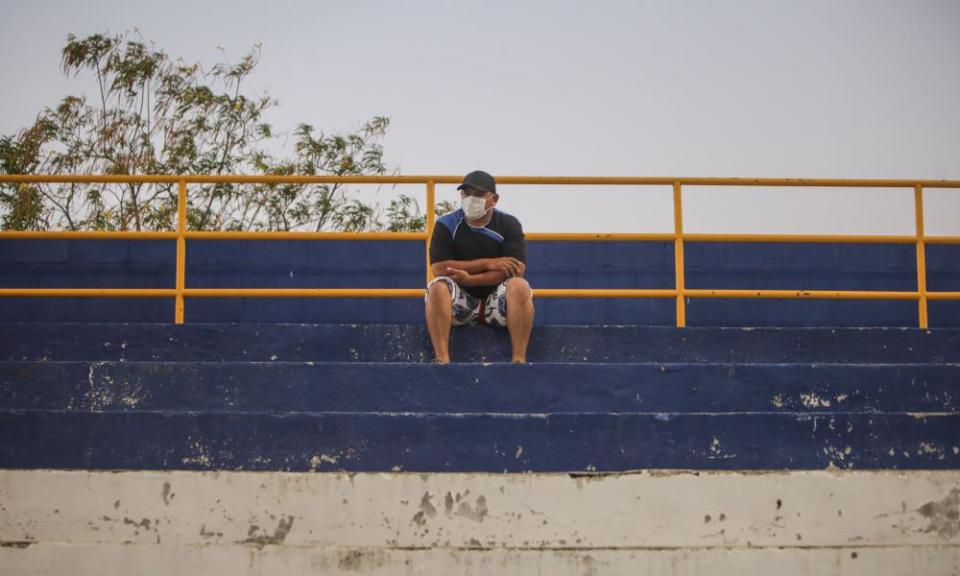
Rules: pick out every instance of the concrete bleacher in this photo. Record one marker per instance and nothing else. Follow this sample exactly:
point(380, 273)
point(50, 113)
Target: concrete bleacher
point(366, 398)
point(316, 435)
point(400, 264)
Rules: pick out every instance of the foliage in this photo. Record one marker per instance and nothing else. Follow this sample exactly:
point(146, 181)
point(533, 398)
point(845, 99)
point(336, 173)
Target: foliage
point(151, 114)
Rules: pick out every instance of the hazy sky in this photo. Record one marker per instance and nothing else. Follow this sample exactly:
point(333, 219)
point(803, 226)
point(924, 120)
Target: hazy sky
point(815, 88)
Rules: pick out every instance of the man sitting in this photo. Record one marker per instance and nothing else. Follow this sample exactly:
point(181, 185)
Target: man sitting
point(478, 258)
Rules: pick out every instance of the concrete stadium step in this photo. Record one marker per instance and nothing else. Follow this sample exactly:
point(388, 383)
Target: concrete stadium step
point(410, 343)
point(383, 387)
point(364, 442)
point(365, 398)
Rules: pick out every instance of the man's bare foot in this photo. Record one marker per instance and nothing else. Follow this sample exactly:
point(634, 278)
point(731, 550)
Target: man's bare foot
point(442, 361)
point(519, 360)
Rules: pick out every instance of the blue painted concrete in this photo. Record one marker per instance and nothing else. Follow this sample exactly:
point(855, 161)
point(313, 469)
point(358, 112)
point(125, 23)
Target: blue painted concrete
point(359, 389)
point(410, 343)
point(87, 264)
point(477, 388)
point(277, 397)
point(102, 263)
point(775, 266)
point(943, 267)
point(476, 443)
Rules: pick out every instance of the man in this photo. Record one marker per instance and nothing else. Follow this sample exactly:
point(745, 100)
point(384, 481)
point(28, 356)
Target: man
point(478, 257)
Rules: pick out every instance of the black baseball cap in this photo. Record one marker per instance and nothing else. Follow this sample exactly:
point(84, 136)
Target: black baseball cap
point(479, 180)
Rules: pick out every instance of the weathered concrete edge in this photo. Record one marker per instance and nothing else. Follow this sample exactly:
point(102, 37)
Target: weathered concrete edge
point(658, 510)
point(109, 560)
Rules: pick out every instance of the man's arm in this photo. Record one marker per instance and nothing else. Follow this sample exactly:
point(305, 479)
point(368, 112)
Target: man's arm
point(466, 279)
point(515, 245)
point(484, 271)
point(471, 266)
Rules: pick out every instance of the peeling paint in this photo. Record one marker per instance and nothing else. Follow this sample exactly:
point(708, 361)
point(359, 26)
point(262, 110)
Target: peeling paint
point(263, 539)
point(426, 507)
point(838, 457)
point(199, 455)
point(100, 395)
point(811, 400)
point(207, 534)
point(477, 512)
point(167, 495)
point(144, 524)
point(356, 560)
point(944, 515)
point(317, 459)
point(716, 452)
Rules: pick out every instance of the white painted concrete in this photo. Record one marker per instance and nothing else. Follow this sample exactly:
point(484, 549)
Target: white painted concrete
point(163, 560)
point(82, 522)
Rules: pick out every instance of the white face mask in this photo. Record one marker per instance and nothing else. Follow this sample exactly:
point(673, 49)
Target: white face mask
point(475, 208)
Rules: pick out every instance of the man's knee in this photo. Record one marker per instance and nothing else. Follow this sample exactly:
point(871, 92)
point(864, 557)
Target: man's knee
point(439, 291)
point(519, 289)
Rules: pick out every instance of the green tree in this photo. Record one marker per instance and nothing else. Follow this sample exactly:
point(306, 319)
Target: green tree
point(151, 114)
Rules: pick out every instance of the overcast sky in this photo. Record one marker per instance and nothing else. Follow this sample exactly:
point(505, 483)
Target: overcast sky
point(814, 88)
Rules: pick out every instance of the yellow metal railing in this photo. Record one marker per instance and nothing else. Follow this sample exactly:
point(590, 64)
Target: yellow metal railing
point(680, 293)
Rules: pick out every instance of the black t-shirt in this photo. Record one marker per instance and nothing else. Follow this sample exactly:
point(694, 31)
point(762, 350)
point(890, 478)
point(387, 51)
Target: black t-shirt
point(454, 239)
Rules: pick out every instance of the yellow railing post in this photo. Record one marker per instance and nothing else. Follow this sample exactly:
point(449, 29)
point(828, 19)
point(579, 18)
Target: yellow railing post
point(921, 254)
point(181, 250)
point(431, 216)
point(678, 255)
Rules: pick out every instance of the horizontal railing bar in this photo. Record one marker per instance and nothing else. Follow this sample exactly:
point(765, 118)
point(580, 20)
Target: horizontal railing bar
point(532, 236)
point(217, 235)
point(598, 237)
point(802, 238)
point(603, 293)
point(694, 181)
point(941, 239)
point(536, 180)
point(805, 294)
point(209, 235)
point(222, 179)
point(88, 292)
point(418, 293)
point(304, 292)
point(86, 235)
point(943, 295)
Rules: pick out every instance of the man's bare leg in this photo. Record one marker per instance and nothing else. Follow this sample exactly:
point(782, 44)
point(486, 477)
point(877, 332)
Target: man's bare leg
point(439, 312)
point(519, 317)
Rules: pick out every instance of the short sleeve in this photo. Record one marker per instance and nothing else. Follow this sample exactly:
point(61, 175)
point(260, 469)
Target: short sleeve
point(441, 245)
point(514, 244)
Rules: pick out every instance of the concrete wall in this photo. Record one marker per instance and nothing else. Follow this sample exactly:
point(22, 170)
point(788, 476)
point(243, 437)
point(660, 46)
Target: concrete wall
point(666, 522)
point(375, 264)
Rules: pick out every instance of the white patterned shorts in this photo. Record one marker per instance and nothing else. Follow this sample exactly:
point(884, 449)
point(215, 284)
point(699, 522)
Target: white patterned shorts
point(468, 309)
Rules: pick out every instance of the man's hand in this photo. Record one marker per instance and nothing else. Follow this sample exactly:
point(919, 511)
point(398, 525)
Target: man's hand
point(461, 277)
point(510, 267)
